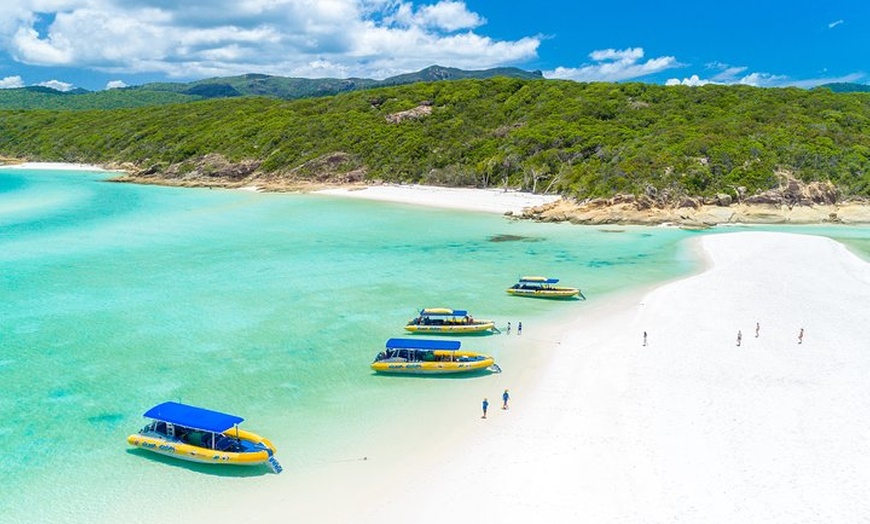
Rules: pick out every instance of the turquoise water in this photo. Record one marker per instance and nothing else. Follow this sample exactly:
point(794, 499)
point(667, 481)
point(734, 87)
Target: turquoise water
point(117, 297)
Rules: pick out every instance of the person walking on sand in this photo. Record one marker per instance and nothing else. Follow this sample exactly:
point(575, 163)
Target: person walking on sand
point(739, 337)
point(757, 329)
point(519, 328)
point(801, 336)
point(505, 397)
point(508, 330)
point(485, 405)
point(644, 338)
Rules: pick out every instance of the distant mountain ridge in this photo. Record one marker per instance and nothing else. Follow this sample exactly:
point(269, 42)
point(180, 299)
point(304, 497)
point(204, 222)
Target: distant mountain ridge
point(847, 87)
point(286, 88)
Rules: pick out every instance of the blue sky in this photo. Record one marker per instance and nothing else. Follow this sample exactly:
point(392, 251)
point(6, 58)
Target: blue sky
point(99, 44)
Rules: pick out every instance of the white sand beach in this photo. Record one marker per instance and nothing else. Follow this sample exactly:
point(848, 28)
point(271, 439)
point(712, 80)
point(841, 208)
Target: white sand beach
point(691, 427)
point(486, 200)
point(62, 166)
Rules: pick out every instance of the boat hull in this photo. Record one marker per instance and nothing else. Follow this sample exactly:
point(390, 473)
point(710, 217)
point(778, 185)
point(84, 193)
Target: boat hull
point(451, 329)
point(202, 455)
point(468, 363)
point(558, 293)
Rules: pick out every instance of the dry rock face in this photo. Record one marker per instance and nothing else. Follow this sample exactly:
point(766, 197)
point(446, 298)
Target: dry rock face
point(208, 171)
point(424, 109)
point(603, 212)
point(214, 170)
point(332, 168)
point(793, 202)
point(793, 192)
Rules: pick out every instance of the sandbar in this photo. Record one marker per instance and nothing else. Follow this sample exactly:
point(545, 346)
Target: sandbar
point(484, 200)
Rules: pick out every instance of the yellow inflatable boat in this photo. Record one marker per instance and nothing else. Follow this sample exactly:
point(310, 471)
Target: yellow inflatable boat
point(202, 435)
point(543, 287)
point(446, 321)
point(430, 357)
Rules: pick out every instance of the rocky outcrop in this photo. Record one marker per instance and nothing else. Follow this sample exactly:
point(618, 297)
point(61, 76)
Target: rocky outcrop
point(792, 202)
point(332, 169)
point(424, 109)
point(336, 168)
point(793, 192)
point(208, 171)
point(607, 211)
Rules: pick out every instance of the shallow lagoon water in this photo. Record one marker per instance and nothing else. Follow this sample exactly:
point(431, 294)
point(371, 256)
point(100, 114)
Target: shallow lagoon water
point(117, 297)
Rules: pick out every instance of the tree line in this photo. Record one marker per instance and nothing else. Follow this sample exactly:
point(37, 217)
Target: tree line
point(578, 139)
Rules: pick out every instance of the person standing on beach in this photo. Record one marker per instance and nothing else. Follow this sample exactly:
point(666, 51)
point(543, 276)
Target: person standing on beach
point(644, 338)
point(485, 405)
point(757, 329)
point(509, 328)
point(519, 328)
point(739, 337)
point(801, 336)
point(505, 397)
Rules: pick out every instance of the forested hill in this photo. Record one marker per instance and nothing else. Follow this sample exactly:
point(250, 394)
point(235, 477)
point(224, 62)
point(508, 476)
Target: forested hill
point(578, 139)
point(845, 87)
point(35, 97)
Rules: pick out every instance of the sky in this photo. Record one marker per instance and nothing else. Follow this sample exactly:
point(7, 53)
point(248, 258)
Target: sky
point(105, 44)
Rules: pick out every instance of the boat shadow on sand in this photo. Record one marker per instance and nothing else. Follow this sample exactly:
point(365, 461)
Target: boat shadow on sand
point(217, 470)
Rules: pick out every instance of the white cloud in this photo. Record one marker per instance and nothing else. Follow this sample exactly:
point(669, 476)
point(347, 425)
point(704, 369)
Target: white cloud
point(835, 24)
point(445, 15)
point(693, 80)
point(115, 84)
point(725, 74)
point(813, 82)
point(614, 65)
point(11, 82)
point(57, 85)
point(282, 37)
point(721, 74)
point(632, 54)
point(728, 73)
point(763, 80)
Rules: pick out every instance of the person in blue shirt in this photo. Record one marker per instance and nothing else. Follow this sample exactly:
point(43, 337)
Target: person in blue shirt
point(505, 397)
point(484, 405)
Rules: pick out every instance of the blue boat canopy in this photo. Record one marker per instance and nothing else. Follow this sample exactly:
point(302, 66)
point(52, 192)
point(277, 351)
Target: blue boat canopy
point(407, 343)
point(540, 280)
point(193, 417)
point(437, 313)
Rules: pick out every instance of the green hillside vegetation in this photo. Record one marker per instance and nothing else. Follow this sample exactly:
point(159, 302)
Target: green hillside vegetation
point(436, 73)
point(225, 87)
point(846, 87)
point(46, 98)
point(579, 139)
point(264, 85)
